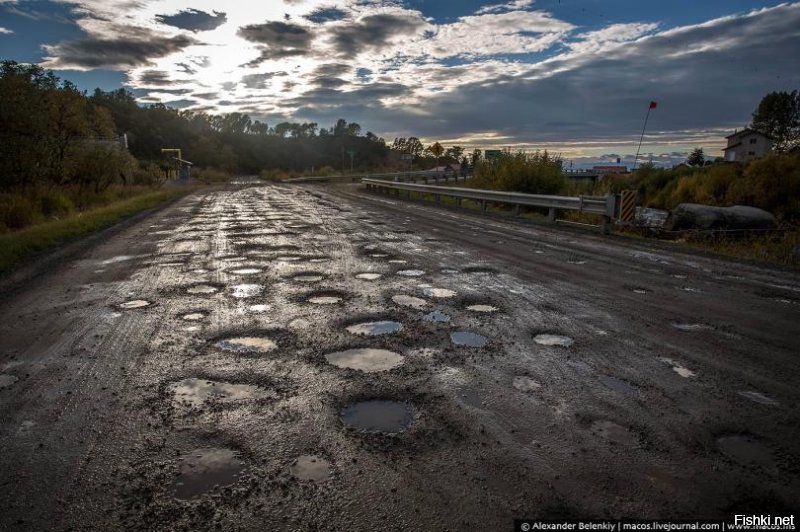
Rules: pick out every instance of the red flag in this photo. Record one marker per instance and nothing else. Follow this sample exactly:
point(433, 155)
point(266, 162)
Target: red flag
point(653, 105)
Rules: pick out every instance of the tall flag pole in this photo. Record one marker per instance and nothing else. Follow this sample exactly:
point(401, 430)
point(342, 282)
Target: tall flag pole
point(653, 105)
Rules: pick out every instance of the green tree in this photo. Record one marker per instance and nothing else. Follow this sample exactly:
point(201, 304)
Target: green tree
point(778, 116)
point(696, 158)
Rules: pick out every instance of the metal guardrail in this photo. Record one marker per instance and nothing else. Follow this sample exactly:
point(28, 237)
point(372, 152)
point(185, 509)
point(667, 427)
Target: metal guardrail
point(605, 206)
point(423, 175)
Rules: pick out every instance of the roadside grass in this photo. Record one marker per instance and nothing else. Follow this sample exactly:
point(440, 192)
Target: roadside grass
point(781, 248)
point(17, 246)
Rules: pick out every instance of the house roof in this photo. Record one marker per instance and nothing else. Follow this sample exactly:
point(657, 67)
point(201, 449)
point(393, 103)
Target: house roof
point(747, 131)
point(732, 146)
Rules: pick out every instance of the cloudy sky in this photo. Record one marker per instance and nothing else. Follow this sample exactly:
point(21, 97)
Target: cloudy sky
point(574, 76)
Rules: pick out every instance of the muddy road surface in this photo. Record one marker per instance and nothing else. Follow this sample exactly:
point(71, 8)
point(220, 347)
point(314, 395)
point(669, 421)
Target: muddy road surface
point(299, 358)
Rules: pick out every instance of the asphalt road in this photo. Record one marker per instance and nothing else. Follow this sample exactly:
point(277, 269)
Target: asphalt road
point(195, 370)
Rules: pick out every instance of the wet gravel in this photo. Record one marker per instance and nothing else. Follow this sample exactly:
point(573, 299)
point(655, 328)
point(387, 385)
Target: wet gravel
point(274, 358)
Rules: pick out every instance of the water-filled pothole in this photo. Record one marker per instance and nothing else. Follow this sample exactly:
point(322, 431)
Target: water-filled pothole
point(467, 338)
point(307, 277)
point(243, 291)
point(553, 340)
point(618, 385)
point(368, 360)
point(368, 276)
point(411, 273)
point(375, 328)
point(248, 344)
point(193, 316)
point(686, 373)
point(409, 301)
point(746, 450)
point(325, 300)
point(688, 327)
point(136, 303)
point(438, 292)
point(758, 397)
point(378, 415)
point(202, 289)
point(195, 392)
point(436, 316)
point(203, 469)
point(246, 271)
point(482, 308)
point(310, 468)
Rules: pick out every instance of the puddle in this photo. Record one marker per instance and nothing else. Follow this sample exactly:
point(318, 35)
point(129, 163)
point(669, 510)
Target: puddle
point(136, 303)
point(246, 271)
point(319, 260)
point(680, 370)
point(639, 291)
point(120, 258)
point(307, 278)
point(375, 328)
point(411, 273)
point(288, 258)
point(195, 392)
point(688, 327)
point(746, 450)
point(553, 340)
point(325, 300)
point(242, 291)
point(438, 292)
point(260, 308)
point(525, 384)
point(436, 316)
point(194, 316)
point(202, 470)
point(367, 359)
point(378, 255)
point(247, 344)
point(608, 430)
point(482, 308)
point(7, 380)
point(202, 289)
point(310, 468)
point(758, 397)
point(469, 339)
point(368, 276)
point(397, 261)
point(378, 416)
point(618, 385)
point(409, 301)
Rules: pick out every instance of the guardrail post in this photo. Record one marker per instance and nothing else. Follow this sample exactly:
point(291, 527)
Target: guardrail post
point(551, 215)
point(516, 209)
point(437, 198)
point(483, 205)
point(605, 226)
point(458, 202)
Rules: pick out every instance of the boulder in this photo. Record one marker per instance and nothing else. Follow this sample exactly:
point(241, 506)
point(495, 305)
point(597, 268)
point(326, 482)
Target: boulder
point(706, 217)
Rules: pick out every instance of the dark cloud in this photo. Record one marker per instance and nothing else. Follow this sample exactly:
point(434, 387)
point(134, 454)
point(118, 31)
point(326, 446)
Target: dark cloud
point(194, 20)
point(279, 39)
point(328, 82)
point(373, 32)
point(206, 95)
point(257, 81)
point(186, 69)
point(154, 77)
point(322, 15)
point(135, 47)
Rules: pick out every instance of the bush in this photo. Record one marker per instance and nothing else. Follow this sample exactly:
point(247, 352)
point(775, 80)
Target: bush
point(18, 211)
point(212, 175)
point(539, 173)
point(54, 204)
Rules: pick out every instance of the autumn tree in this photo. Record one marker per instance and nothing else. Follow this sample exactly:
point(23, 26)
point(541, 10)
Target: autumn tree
point(778, 117)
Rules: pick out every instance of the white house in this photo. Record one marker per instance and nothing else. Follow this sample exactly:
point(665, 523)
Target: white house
point(746, 145)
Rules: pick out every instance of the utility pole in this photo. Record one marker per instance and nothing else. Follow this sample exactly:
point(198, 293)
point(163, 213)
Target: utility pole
point(653, 105)
point(351, 153)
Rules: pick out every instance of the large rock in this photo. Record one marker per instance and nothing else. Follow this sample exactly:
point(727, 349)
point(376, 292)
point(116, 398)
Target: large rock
point(705, 217)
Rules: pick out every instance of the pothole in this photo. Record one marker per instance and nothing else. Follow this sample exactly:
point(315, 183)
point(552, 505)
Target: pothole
point(245, 271)
point(411, 273)
point(193, 316)
point(261, 307)
point(525, 384)
point(482, 308)
point(553, 340)
point(478, 269)
point(436, 316)
point(746, 450)
point(758, 397)
point(311, 468)
point(204, 469)
point(243, 291)
point(618, 385)
point(442, 293)
point(202, 289)
point(368, 360)
point(195, 392)
point(409, 301)
point(375, 328)
point(325, 300)
point(248, 344)
point(136, 303)
point(390, 417)
point(368, 276)
point(397, 261)
point(613, 432)
point(307, 277)
point(288, 258)
point(467, 338)
point(688, 327)
point(686, 373)
point(7, 380)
